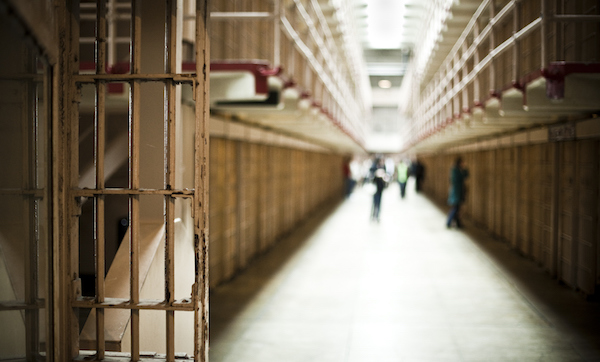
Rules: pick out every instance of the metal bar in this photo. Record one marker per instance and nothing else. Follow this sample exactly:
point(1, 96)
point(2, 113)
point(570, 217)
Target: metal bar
point(116, 40)
point(116, 191)
point(29, 266)
point(99, 151)
point(492, 40)
point(91, 78)
point(37, 78)
point(543, 34)
point(18, 305)
point(171, 106)
point(116, 16)
point(134, 169)
point(38, 193)
point(277, 33)
point(574, 17)
point(185, 305)
point(200, 204)
point(516, 48)
point(65, 131)
point(112, 17)
point(233, 15)
point(92, 6)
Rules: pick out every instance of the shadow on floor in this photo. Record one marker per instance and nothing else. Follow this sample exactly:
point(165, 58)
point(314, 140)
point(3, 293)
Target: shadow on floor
point(235, 295)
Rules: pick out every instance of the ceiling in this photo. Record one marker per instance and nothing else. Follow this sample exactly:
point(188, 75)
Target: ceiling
point(388, 31)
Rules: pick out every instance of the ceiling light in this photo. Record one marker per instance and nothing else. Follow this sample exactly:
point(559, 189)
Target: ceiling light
point(385, 84)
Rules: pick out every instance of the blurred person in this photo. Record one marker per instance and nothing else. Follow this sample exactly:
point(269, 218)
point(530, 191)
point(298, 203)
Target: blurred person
point(418, 171)
point(456, 195)
point(402, 176)
point(348, 179)
point(379, 179)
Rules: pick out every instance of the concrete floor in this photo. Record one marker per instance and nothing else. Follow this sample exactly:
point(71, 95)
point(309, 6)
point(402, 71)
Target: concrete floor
point(345, 288)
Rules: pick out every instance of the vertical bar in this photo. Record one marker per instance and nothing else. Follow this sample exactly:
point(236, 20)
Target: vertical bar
point(517, 166)
point(575, 215)
point(65, 131)
point(465, 73)
point(277, 33)
point(492, 84)
point(517, 44)
point(27, 183)
point(201, 182)
point(554, 209)
point(112, 16)
point(543, 33)
point(134, 181)
point(171, 65)
point(476, 89)
point(99, 150)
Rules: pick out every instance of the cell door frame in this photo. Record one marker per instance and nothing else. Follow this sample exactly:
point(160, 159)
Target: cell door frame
point(68, 195)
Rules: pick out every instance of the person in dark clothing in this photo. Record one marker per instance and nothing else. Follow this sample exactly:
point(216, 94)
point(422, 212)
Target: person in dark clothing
point(456, 196)
point(418, 171)
point(379, 179)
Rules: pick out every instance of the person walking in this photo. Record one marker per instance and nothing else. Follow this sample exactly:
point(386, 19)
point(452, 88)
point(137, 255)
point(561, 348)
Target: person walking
point(418, 171)
point(379, 179)
point(456, 196)
point(402, 176)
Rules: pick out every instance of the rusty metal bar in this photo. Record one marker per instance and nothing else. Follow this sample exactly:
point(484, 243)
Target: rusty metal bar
point(112, 32)
point(277, 30)
point(19, 305)
point(99, 150)
point(492, 40)
point(171, 107)
point(134, 181)
point(573, 17)
point(201, 177)
point(185, 305)
point(27, 123)
point(185, 193)
point(233, 15)
point(91, 78)
point(543, 34)
point(516, 47)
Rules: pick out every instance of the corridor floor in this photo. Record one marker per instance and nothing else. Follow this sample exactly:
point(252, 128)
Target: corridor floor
point(345, 288)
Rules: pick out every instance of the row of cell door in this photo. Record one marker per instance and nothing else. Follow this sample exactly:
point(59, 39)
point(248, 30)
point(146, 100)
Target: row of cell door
point(542, 199)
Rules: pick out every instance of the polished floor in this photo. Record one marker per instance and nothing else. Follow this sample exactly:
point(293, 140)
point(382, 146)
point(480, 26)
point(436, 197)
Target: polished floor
point(345, 288)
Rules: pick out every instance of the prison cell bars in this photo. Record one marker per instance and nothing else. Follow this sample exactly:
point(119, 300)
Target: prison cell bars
point(199, 297)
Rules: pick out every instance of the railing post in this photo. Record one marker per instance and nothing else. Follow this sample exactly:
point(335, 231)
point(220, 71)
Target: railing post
point(492, 73)
point(476, 85)
point(277, 33)
point(543, 33)
point(516, 46)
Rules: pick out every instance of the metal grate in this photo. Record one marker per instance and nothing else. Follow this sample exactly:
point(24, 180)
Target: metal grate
point(179, 195)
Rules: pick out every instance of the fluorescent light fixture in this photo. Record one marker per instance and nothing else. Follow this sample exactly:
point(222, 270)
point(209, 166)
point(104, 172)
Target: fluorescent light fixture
point(385, 84)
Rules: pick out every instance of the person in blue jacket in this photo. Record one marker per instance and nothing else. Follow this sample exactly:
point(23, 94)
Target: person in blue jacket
point(456, 196)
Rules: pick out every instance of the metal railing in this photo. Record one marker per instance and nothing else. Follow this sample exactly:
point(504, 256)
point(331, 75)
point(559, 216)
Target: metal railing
point(499, 49)
point(301, 42)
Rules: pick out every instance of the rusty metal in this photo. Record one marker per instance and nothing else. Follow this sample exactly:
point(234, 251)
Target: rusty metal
point(134, 182)
point(100, 145)
point(201, 179)
point(171, 107)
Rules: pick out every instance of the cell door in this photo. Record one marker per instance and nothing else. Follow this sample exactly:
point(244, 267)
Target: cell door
point(137, 180)
point(25, 198)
